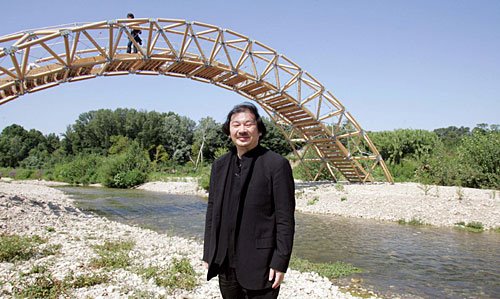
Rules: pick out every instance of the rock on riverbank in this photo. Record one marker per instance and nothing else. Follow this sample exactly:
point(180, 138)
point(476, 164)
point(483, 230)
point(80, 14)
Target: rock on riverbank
point(30, 209)
point(429, 204)
point(182, 186)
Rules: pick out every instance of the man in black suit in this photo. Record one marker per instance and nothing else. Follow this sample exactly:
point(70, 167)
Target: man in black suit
point(250, 220)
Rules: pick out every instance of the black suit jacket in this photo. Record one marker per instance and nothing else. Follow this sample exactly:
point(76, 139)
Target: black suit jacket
point(265, 236)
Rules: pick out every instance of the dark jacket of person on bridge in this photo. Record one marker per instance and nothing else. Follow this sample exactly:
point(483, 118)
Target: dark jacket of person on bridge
point(135, 34)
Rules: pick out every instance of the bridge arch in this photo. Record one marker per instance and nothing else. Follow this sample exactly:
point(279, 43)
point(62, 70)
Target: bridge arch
point(306, 113)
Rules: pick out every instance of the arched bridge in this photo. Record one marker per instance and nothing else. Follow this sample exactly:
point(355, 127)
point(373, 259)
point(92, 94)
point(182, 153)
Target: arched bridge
point(316, 123)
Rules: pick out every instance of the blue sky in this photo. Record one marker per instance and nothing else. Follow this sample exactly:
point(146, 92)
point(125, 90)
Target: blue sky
point(393, 64)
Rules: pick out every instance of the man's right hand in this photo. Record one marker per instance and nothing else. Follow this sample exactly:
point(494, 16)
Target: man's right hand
point(205, 264)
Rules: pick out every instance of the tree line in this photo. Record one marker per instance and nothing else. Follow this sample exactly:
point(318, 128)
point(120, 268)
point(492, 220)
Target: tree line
point(125, 147)
point(120, 148)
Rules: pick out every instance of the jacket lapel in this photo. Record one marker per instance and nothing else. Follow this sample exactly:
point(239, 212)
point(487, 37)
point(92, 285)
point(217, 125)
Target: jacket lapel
point(221, 174)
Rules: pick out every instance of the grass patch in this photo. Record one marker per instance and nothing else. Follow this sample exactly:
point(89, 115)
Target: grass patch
point(45, 286)
point(85, 281)
point(339, 187)
point(179, 275)
point(329, 270)
point(475, 227)
point(113, 254)
point(313, 201)
point(19, 248)
point(52, 249)
point(343, 198)
point(413, 221)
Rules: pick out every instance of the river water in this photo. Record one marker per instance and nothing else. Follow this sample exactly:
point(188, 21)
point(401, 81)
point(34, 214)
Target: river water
point(417, 262)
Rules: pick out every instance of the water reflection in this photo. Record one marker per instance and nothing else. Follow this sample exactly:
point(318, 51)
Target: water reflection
point(421, 261)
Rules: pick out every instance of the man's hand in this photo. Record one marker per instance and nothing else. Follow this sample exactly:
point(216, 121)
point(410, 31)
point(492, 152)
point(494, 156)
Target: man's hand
point(205, 265)
point(278, 277)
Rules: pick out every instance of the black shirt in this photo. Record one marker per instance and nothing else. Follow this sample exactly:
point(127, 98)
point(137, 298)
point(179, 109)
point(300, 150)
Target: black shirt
point(231, 208)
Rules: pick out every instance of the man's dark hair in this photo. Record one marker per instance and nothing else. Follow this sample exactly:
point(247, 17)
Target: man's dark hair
point(245, 106)
point(130, 15)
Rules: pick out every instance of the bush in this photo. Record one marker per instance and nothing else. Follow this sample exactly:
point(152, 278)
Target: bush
point(127, 179)
point(23, 174)
point(394, 146)
point(307, 170)
point(83, 169)
point(126, 169)
point(204, 178)
point(478, 154)
point(405, 171)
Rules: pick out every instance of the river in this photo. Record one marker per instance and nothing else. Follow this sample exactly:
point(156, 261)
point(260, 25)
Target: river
point(398, 260)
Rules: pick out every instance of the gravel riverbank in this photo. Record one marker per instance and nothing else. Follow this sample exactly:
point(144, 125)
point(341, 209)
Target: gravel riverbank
point(428, 204)
point(31, 208)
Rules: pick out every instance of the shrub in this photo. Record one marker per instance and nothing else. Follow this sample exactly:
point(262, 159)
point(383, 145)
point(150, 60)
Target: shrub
point(405, 170)
point(479, 154)
point(308, 169)
point(126, 169)
point(397, 145)
point(81, 170)
point(204, 179)
point(23, 173)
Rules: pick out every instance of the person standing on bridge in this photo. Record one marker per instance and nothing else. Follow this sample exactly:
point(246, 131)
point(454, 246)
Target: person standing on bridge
point(250, 221)
point(135, 34)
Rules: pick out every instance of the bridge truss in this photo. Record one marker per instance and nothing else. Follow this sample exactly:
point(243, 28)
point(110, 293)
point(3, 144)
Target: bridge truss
point(313, 120)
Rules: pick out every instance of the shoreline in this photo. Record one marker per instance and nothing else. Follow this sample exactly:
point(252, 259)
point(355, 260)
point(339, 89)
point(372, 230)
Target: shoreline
point(31, 208)
point(400, 202)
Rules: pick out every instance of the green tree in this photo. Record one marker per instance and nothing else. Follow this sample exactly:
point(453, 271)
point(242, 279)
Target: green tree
point(207, 138)
point(158, 156)
point(394, 146)
point(451, 136)
point(16, 144)
point(274, 139)
point(479, 155)
point(178, 137)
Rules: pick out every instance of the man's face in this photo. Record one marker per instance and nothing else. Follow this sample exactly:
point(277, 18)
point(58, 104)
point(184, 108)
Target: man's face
point(243, 130)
